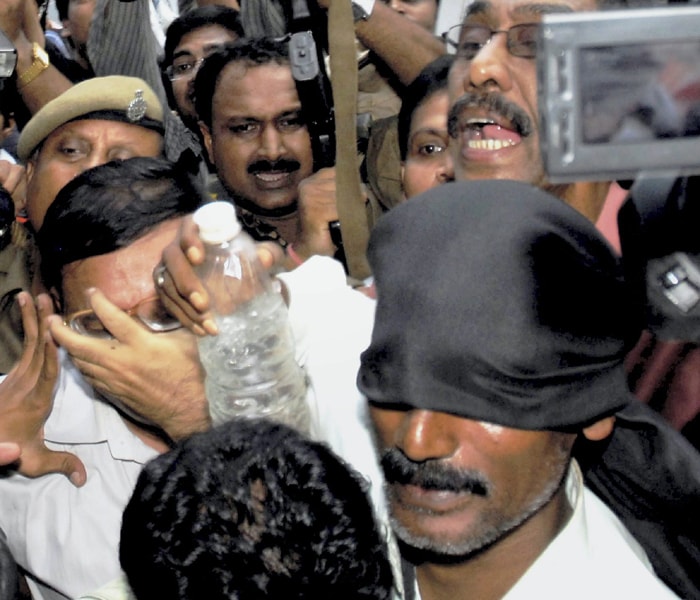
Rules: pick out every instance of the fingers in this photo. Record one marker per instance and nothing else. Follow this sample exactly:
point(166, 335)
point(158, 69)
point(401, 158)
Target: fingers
point(30, 322)
point(178, 286)
point(48, 375)
point(122, 327)
point(190, 242)
point(21, 377)
point(319, 187)
point(9, 453)
point(76, 344)
point(271, 255)
point(12, 177)
point(42, 461)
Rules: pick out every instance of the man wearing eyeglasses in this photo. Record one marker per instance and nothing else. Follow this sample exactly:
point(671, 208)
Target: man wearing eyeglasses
point(106, 229)
point(494, 120)
point(189, 40)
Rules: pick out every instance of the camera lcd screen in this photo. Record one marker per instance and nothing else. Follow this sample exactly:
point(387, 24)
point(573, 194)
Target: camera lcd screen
point(637, 93)
point(619, 93)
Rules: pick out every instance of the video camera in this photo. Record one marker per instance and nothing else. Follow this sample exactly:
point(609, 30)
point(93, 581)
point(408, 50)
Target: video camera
point(619, 98)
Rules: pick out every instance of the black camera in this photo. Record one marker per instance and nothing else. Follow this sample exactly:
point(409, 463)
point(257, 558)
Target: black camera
point(619, 93)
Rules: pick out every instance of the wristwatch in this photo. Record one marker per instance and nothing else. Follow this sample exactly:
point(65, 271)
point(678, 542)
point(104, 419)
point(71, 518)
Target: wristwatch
point(40, 62)
point(362, 9)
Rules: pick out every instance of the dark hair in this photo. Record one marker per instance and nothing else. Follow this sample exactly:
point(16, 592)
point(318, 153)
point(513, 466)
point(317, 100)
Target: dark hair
point(251, 52)
point(431, 79)
point(249, 510)
point(109, 207)
point(204, 16)
point(62, 9)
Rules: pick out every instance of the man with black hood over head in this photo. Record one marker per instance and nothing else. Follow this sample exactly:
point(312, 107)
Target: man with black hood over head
point(496, 361)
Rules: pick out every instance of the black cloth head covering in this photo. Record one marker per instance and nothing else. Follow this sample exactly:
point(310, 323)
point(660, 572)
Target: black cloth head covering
point(497, 302)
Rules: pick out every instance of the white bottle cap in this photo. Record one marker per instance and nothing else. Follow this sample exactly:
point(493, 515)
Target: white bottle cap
point(217, 222)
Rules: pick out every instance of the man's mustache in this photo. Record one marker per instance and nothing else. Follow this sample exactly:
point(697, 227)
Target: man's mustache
point(494, 103)
point(431, 475)
point(283, 164)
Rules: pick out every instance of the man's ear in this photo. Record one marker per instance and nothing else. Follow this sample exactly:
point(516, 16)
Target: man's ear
point(206, 137)
point(600, 429)
point(20, 194)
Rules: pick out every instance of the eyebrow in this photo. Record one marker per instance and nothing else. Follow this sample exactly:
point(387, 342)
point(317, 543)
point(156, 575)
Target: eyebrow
point(479, 7)
point(294, 112)
point(180, 53)
point(429, 131)
point(209, 47)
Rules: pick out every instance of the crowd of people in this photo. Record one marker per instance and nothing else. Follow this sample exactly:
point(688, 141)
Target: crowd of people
point(475, 432)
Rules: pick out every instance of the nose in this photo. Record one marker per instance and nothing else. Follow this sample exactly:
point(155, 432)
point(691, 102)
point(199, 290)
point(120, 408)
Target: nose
point(446, 170)
point(490, 69)
point(424, 435)
point(96, 158)
point(271, 144)
point(397, 5)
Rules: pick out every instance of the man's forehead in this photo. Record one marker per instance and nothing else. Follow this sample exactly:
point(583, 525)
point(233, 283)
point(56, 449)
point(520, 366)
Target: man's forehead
point(243, 69)
point(207, 37)
point(244, 80)
point(131, 267)
point(90, 127)
point(527, 8)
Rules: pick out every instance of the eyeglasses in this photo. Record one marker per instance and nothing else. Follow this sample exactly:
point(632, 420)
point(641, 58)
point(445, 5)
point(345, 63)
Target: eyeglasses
point(183, 70)
point(467, 40)
point(149, 312)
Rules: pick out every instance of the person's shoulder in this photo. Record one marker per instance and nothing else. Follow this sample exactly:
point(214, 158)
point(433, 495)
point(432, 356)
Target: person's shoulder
point(593, 556)
point(615, 556)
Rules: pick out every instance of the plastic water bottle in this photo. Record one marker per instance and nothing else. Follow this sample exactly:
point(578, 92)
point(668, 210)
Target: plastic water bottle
point(250, 365)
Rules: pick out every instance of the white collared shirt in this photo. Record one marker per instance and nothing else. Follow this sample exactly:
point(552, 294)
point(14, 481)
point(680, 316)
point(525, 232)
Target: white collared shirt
point(593, 557)
point(67, 538)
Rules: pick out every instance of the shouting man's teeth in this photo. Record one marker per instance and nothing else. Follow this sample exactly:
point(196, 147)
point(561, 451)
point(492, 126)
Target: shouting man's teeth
point(484, 134)
point(271, 176)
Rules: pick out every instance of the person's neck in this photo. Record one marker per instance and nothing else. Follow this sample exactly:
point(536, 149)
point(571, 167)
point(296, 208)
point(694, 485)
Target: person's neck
point(284, 220)
point(281, 212)
point(491, 573)
point(587, 197)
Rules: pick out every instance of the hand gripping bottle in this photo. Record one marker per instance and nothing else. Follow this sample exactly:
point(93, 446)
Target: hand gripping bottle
point(250, 365)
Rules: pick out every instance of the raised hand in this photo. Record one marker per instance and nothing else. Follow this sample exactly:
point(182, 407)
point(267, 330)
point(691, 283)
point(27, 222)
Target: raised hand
point(317, 208)
point(156, 377)
point(179, 287)
point(26, 399)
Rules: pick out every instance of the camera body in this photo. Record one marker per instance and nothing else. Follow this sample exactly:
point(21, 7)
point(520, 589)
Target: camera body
point(619, 98)
point(619, 93)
